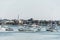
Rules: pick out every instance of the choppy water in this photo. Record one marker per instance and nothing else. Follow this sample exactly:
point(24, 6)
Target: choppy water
point(29, 36)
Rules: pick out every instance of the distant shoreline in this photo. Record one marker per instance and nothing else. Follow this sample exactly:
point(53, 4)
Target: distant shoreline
point(27, 22)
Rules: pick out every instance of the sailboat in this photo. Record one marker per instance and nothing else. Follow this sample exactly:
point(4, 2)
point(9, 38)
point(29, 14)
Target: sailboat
point(29, 28)
point(52, 27)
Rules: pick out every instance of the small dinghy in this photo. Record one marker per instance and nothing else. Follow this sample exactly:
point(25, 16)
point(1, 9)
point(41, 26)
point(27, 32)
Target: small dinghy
point(8, 29)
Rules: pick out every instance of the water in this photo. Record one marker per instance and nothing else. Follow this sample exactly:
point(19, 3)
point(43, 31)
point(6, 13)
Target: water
point(29, 36)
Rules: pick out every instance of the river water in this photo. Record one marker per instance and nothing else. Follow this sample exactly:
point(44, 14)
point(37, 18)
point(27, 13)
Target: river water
point(29, 36)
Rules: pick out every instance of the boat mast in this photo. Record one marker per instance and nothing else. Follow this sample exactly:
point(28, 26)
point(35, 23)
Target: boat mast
point(18, 16)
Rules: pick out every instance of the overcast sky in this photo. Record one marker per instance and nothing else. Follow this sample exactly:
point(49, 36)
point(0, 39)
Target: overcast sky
point(37, 9)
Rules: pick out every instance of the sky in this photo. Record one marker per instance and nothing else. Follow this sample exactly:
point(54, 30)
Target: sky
point(37, 9)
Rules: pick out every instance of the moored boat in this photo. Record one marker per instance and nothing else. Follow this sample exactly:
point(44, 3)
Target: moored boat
point(30, 28)
point(5, 28)
point(52, 27)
